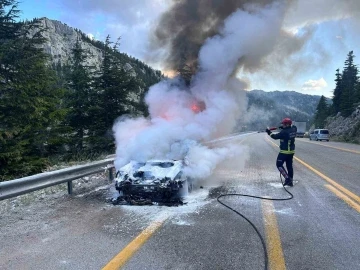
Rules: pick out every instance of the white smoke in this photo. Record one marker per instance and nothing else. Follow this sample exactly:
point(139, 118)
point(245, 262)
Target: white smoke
point(173, 130)
point(202, 160)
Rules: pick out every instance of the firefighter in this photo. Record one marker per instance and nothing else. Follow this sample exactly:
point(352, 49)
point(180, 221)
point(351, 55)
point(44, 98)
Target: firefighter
point(287, 149)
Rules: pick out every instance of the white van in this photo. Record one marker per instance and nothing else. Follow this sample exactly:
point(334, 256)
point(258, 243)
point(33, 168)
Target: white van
point(319, 135)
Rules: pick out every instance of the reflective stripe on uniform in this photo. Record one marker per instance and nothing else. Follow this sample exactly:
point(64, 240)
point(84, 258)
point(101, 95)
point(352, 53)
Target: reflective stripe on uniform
point(287, 151)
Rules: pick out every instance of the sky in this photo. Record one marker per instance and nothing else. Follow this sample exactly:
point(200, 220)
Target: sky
point(316, 36)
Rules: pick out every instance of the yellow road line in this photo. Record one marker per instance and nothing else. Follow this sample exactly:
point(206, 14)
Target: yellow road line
point(120, 259)
point(329, 180)
point(273, 241)
point(266, 138)
point(344, 198)
point(338, 148)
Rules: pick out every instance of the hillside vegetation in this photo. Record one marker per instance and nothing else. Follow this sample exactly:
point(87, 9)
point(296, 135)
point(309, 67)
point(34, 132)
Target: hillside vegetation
point(269, 108)
point(61, 93)
point(342, 117)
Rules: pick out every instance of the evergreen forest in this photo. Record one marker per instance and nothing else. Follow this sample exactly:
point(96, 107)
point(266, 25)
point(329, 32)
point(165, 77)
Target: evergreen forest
point(346, 95)
point(52, 113)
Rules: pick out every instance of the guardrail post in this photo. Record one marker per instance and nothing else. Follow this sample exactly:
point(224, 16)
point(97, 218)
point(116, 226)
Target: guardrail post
point(16, 187)
point(111, 174)
point(70, 187)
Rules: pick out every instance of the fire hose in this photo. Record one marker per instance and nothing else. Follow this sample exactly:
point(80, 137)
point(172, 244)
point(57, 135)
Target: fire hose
point(274, 128)
point(266, 259)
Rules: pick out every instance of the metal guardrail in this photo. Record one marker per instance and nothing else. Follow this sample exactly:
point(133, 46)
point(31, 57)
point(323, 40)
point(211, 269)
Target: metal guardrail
point(28, 184)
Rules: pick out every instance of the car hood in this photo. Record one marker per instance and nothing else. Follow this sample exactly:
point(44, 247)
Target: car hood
point(151, 170)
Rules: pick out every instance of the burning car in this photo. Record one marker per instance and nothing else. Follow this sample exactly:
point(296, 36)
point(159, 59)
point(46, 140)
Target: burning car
point(154, 181)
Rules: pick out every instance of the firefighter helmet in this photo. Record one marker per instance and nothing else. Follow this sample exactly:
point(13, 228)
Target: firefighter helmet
point(286, 121)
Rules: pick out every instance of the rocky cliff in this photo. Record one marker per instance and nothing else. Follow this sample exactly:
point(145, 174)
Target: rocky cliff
point(345, 129)
point(61, 39)
point(268, 108)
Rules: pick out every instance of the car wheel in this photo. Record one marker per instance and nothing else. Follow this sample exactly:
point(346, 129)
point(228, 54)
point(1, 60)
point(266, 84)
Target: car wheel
point(327, 140)
point(316, 139)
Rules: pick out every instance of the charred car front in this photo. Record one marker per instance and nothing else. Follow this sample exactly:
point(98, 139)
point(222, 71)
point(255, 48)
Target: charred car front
point(154, 181)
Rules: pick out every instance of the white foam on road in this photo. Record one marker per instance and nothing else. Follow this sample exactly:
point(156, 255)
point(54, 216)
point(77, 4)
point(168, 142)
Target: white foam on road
point(276, 185)
point(177, 214)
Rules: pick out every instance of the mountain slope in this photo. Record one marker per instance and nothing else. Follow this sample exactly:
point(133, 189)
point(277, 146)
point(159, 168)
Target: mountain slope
point(269, 108)
point(61, 39)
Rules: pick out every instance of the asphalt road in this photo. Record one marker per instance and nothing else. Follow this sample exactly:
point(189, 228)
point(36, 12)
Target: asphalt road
point(318, 229)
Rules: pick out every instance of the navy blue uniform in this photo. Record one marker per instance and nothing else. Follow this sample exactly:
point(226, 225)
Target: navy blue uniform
point(287, 150)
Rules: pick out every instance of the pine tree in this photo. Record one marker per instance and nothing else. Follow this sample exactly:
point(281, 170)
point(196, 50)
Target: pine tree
point(322, 112)
point(349, 83)
point(80, 84)
point(337, 93)
point(28, 96)
point(111, 98)
point(9, 27)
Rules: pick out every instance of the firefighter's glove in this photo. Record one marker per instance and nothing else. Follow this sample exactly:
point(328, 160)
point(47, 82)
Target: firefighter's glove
point(268, 131)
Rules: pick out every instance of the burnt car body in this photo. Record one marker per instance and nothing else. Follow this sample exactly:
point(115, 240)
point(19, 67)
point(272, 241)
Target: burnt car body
point(154, 181)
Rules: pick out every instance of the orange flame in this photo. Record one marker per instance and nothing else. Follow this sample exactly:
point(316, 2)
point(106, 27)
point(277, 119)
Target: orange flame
point(198, 106)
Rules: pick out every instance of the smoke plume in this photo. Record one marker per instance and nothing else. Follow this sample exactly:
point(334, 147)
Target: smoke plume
point(174, 130)
point(184, 28)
